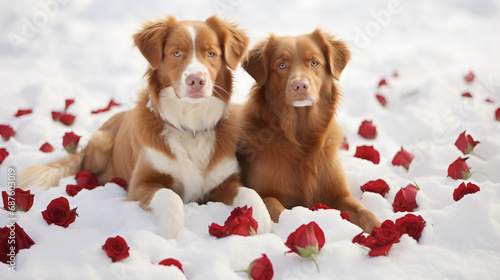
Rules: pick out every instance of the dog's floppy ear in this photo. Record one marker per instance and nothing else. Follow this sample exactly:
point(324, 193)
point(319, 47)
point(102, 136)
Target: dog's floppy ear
point(151, 37)
point(256, 63)
point(336, 51)
point(233, 40)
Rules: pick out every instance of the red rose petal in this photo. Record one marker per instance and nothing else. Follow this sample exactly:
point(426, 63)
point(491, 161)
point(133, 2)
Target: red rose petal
point(111, 104)
point(3, 154)
point(368, 153)
point(23, 112)
point(381, 99)
point(377, 186)
point(344, 145)
point(345, 216)
point(382, 82)
point(240, 222)
point(367, 130)
point(172, 262)
point(319, 206)
point(403, 158)
point(497, 114)
point(464, 189)
point(46, 148)
point(6, 132)
point(465, 143)
point(120, 182)
point(68, 102)
point(73, 190)
point(466, 94)
point(469, 78)
point(86, 179)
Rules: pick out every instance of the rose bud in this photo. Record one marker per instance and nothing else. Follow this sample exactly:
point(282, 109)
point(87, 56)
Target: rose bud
point(172, 262)
point(410, 224)
point(3, 154)
point(381, 99)
point(86, 179)
point(463, 190)
point(23, 200)
point(70, 142)
point(467, 94)
point(382, 82)
point(240, 222)
point(120, 182)
point(469, 77)
point(497, 114)
point(367, 130)
point(459, 169)
point(21, 241)
point(59, 213)
point(116, 248)
point(377, 186)
point(466, 144)
point(260, 269)
point(46, 148)
point(403, 158)
point(368, 153)
point(405, 199)
point(23, 112)
point(319, 206)
point(73, 190)
point(6, 131)
point(307, 241)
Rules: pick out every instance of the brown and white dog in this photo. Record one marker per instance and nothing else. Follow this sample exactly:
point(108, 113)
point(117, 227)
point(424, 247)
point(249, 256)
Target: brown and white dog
point(288, 152)
point(178, 144)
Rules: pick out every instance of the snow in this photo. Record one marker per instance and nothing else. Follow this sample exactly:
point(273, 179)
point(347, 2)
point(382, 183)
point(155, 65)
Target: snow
point(53, 50)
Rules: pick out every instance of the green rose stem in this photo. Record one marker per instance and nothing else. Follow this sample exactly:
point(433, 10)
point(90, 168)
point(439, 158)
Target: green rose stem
point(309, 253)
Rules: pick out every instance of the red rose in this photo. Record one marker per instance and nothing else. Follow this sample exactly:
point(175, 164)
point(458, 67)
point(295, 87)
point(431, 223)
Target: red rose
point(377, 186)
point(70, 142)
point(10, 247)
point(344, 145)
point(497, 114)
point(21, 200)
point(23, 112)
point(6, 131)
point(380, 239)
point(459, 169)
point(403, 158)
point(382, 82)
point(405, 199)
point(59, 213)
point(116, 248)
point(73, 190)
point(463, 190)
point(240, 222)
point(345, 216)
point(260, 269)
point(466, 94)
point(63, 116)
point(368, 153)
point(46, 148)
point(367, 130)
point(111, 104)
point(170, 262)
point(3, 154)
point(307, 241)
point(465, 143)
point(469, 77)
point(410, 224)
point(381, 99)
point(86, 179)
point(319, 206)
point(120, 182)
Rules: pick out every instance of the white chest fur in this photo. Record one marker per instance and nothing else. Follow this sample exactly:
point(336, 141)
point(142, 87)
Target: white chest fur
point(189, 168)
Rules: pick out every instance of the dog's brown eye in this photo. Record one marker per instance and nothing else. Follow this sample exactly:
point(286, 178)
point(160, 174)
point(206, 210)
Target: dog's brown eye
point(314, 63)
point(177, 53)
point(282, 65)
point(211, 54)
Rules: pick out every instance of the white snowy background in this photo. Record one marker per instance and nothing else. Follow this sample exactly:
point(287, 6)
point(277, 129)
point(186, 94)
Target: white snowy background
point(54, 50)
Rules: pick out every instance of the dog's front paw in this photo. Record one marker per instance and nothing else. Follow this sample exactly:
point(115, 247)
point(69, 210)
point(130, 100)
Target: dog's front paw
point(367, 220)
point(168, 207)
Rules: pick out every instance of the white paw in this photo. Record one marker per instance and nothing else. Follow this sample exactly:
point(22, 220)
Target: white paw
point(252, 199)
point(168, 207)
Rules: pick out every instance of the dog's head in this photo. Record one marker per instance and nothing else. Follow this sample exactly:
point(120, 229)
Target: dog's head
point(188, 66)
point(297, 69)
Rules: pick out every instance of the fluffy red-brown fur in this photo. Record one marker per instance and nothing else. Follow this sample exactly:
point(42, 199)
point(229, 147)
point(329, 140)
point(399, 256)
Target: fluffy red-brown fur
point(115, 150)
point(289, 154)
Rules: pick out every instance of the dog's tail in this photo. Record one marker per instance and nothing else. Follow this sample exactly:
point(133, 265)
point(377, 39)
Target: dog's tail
point(46, 176)
point(94, 158)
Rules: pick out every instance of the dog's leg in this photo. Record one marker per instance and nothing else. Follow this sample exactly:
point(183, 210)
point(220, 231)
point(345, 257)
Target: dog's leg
point(169, 208)
point(274, 207)
point(358, 214)
point(231, 192)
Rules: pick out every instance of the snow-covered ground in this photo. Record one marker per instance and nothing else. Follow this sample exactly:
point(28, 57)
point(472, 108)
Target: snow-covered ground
point(55, 50)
